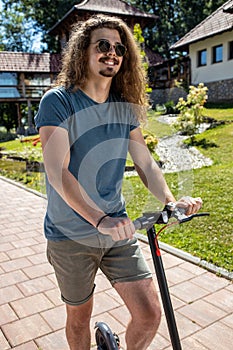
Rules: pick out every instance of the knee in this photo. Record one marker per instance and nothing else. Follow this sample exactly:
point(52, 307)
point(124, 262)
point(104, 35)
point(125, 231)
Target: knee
point(153, 315)
point(150, 316)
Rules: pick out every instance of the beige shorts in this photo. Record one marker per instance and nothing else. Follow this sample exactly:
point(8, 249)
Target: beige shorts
point(76, 265)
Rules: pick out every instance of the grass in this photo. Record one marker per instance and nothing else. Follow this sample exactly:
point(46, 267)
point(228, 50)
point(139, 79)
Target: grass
point(16, 170)
point(209, 238)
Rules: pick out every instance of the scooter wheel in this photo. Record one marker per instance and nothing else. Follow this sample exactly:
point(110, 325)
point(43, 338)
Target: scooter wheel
point(105, 339)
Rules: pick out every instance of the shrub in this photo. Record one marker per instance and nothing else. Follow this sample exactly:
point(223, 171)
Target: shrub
point(191, 110)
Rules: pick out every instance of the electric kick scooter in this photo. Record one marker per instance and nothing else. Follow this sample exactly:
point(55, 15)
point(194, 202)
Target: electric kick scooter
point(105, 339)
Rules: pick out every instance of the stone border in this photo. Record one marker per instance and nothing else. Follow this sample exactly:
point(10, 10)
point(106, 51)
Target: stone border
point(165, 247)
point(190, 258)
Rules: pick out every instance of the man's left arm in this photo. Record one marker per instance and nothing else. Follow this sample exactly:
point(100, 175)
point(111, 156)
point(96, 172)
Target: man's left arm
point(152, 176)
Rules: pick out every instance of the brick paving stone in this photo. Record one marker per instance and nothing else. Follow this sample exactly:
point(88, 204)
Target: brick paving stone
point(159, 343)
point(9, 294)
point(4, 345)
point(188, 292)
point(38, 258)
point(210, 282)
point(228, 321)
point(4, 247)
point(215, 336)
point(55, 340)
point(15, 264)
point(9, 238)
point(26, 346)
point(54, 296)
point(203, 302)
point(185, 327)
point(192, 344)
point(202, 313)
point(177, 275)
point(38, 270)
point(13, 277)
point(19, 253)
point(24, 243)
point(56, 317)
point(194, 269)
point(222, 299)
point(171, 261)
point(113, 294)
point(102, 283)
point(3, 257)
point(31, 305)
point(122, 314)
point(103, 303)
point(39, 248)
point(26, 329)
point(35, 286)
point(7, 314)
point(230, 287)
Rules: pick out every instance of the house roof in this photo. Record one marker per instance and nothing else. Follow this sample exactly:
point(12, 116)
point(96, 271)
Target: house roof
point(29, 62)
point(218, 22)
point(111, 7)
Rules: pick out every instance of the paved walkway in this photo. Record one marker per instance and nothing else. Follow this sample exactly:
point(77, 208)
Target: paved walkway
point(32, 315)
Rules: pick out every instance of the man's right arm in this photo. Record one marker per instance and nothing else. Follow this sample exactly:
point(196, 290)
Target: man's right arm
point(56, 154)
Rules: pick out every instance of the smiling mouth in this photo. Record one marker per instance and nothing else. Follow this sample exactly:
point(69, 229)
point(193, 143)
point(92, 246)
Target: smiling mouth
point(109, 62)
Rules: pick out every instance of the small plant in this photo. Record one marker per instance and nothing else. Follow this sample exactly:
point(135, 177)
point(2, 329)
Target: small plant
point(151, 141)
point(191, 110)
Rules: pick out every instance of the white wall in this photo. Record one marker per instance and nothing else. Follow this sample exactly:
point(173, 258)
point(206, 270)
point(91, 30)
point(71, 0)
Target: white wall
point(211, 72)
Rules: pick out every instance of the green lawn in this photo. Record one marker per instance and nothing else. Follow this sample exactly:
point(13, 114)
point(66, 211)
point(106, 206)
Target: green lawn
point(209, 238)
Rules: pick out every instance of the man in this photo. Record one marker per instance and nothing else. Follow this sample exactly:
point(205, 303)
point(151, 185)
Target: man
point(87, 124)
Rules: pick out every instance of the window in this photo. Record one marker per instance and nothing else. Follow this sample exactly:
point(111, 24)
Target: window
point(202, 58)
point(230, 52)
point(8, 79)
point(217, 54)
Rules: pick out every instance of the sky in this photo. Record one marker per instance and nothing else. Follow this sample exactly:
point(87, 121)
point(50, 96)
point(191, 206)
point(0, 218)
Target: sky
point(36, 46)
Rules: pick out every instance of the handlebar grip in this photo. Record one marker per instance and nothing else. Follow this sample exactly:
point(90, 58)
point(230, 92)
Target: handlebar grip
point(137, 224)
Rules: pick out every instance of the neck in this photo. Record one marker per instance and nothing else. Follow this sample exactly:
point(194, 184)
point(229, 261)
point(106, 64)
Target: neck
point(97, 91)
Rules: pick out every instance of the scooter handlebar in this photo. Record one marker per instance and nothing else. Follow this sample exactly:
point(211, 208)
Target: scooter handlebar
point(162, 217)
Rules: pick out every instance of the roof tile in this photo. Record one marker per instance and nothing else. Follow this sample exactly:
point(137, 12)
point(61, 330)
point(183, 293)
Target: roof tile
point(29, 62)
point(219, 21)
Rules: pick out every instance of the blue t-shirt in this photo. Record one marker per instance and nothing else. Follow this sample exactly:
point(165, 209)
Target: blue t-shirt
point(99, 138)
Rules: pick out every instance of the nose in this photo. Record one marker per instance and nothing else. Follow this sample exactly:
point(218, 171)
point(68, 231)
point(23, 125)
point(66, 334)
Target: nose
point(112, 50)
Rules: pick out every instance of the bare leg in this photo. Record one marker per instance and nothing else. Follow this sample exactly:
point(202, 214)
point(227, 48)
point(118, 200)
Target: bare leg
point(78, 326)
point(142, 301)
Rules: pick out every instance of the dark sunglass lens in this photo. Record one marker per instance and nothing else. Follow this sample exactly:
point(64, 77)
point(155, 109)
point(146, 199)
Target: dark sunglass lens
point(104, 46)
point(120, 50)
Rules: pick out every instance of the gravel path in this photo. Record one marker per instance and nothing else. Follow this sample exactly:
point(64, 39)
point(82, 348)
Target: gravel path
point(175, 156)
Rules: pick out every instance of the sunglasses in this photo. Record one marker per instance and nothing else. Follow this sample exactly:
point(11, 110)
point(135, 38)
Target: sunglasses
point(104, 46)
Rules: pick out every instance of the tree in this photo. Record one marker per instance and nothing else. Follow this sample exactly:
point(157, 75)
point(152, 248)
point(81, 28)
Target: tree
point(22, 21)
point(175, 19)
point(17, 29)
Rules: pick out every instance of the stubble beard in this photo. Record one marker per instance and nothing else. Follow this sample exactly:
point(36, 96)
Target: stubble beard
point(108, 72)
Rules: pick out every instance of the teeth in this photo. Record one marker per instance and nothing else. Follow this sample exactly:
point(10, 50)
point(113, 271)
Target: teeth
point(110, 63)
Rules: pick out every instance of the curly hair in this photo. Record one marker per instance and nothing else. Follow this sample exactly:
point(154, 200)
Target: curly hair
point(129, 82)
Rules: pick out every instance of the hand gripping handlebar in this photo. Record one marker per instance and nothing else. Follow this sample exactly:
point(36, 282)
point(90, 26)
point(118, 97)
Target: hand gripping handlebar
point(162, 217)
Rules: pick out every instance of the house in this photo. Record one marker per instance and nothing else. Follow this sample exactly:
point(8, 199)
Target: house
point(25, 76)
point(87, 8)
point(210, 48)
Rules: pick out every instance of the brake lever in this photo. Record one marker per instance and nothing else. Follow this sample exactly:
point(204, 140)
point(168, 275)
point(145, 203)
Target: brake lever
point(181, 217)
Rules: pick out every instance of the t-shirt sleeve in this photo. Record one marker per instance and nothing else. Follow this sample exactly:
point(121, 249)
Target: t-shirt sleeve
point(134, 123)
point(55, 109)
